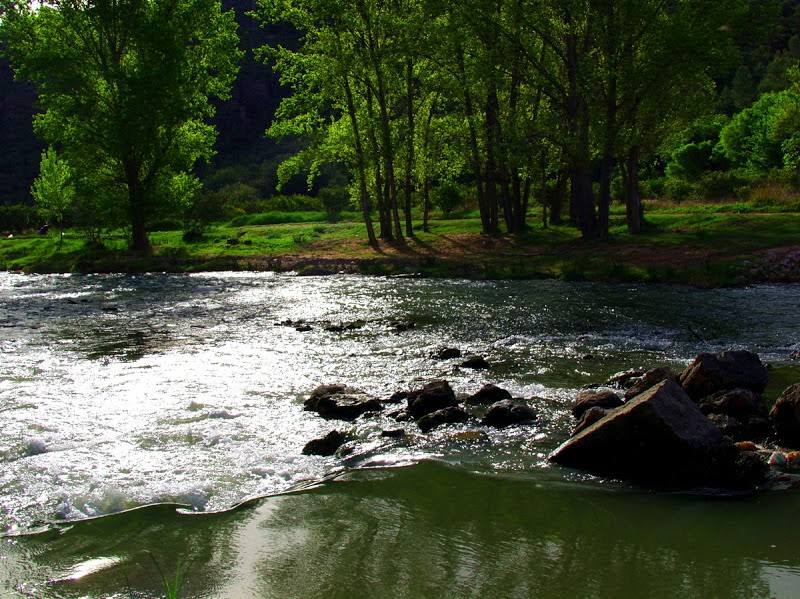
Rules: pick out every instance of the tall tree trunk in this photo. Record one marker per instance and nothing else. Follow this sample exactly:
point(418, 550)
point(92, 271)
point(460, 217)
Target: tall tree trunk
point(491, 165)
point(362, 169)
point(426, 178)
point(578, 123)
point(469, 113)
point(140, 242)
point(633, 201)
point(384, 209)
point(410, 144)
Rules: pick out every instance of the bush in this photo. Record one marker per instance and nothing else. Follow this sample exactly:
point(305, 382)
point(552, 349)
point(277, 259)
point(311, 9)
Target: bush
point(654, 188)
point(19, 217)
point(292, 203)
point(447, 197)
point(722, 185)
point(678, 189)
point(335, 200)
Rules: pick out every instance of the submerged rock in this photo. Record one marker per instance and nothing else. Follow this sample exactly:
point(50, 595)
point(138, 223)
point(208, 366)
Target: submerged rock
point(487, 395)
point(785, 416)
point(327, 445)
point(507, 413)
point(710, 373)
point(739, 403)
point(476, 363)
point(447, 353)
point(450, 415)
point(626, 378)
point(649, 379)
point(395, 433)
point(589, 399)
point(659, 437)
point(434, 396)
point(338, 402)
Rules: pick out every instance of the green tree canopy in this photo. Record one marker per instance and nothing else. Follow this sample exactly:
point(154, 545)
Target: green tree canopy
point(125, 86)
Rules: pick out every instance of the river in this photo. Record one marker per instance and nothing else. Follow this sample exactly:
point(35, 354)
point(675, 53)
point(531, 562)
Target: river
point(136, 410)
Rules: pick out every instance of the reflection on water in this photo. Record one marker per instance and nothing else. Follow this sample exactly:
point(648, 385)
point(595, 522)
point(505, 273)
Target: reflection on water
point(435, 531)
point(119, 391)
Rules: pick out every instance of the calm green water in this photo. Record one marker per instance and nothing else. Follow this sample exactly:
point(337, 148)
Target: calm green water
point(118, 392)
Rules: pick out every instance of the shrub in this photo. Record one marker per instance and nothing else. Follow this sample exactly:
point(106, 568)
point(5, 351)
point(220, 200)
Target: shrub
point(447, 197)
point(335, 200)
point(19, 217)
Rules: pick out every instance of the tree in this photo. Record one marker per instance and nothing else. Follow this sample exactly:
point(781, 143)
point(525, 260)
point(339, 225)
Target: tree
point(53, 189)
point(125, 86)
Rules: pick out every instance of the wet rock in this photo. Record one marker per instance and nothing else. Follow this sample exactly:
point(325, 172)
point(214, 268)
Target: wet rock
point(739, 403)
point(659, 437)
point(587, 357)
point(507, 413)
point(337, 402)
point(649, 379)
point(342, 327)
point(487, 395)
point(447, 353)
point(728, 426)
point(710, 373)
point(626, 378)
point(397, 397)
point(785, 416)
point(586, 400)
point(794, 355)
point(434, 396)
point(304, 328)
point(400, 415)
point(327, 445)
point(589, 417)
point(476, 363)
point(401, 326)
point(395, 433)
point(451, 415)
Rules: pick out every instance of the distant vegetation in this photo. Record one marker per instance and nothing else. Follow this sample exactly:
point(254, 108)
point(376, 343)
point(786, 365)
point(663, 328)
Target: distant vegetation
point(522, 113)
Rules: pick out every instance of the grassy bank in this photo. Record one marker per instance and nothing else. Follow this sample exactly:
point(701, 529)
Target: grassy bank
point(705, 245)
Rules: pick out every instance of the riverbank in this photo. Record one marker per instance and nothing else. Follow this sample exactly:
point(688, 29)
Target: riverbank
point(702, 245)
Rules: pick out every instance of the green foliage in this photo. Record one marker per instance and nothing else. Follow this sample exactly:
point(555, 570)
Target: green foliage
point(53, 189)
point(448, 197)
point(125, 87)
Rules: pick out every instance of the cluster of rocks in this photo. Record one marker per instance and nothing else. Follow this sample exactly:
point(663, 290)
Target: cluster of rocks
point(431, 406)
point(779, 265)
point(697, 427)
point(304, 326)
point(475, 362)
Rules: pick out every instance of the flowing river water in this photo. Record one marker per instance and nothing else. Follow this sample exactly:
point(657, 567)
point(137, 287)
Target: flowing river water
point(136, 411)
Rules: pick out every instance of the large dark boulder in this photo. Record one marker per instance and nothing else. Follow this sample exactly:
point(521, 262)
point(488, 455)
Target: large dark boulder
point(434, 396)
point(338, 402)
point(649, 379)
point(586, 400)
point(710, 373)
point(450, 415)
point(487, 395)
point(508, 413)
point(589, 417)
point(659, 437)
point(327, 445)
point(785, 416)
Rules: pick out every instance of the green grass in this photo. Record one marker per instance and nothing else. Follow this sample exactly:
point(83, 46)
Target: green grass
point(729, 232)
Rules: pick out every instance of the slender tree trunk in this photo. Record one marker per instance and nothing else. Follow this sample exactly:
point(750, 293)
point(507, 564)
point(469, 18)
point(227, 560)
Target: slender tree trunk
point(410, 145)
point(633, 201)
point(362, 170)
point(604, 205)
point(557, 199)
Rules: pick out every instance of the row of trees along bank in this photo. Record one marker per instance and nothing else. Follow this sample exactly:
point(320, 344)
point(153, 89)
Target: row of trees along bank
point(521, 99)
